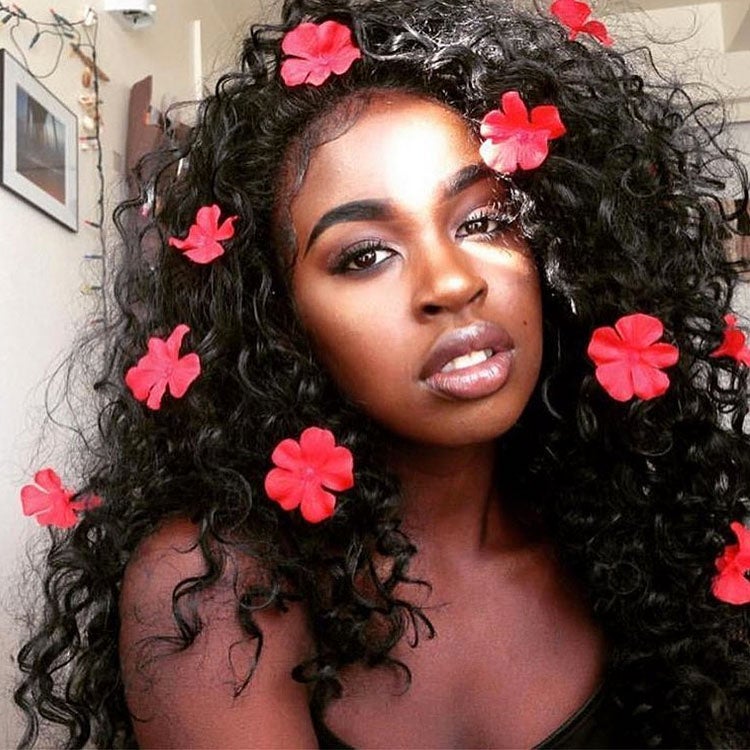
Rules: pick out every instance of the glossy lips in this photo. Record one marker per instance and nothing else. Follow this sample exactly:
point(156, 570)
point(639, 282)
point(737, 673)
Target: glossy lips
point(486, 352)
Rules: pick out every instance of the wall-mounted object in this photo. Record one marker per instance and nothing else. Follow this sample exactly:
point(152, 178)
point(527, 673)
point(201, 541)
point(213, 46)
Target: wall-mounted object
point(38, 144)
point(132, 14)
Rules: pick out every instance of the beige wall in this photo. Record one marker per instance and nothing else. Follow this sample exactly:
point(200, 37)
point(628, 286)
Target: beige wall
point(707, 42)
point(41, 262)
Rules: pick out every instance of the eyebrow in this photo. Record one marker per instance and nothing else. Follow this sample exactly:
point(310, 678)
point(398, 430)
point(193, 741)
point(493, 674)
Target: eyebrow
point(373, 210)
point(355, 211)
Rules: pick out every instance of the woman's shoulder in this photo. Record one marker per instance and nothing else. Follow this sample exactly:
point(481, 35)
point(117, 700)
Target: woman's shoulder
point(217, 688)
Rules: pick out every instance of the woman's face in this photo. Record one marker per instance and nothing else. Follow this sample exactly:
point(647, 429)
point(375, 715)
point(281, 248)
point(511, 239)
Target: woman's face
point(418, 293)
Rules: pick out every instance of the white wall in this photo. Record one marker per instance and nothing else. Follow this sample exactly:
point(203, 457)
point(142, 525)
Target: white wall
point(41, 262)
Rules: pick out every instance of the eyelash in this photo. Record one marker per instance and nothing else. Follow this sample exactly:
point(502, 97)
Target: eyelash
point(490, 214)
point(343, 261)
point(503, 219)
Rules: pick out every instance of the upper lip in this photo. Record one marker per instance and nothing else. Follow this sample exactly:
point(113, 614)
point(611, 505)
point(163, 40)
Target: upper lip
point(460, 341)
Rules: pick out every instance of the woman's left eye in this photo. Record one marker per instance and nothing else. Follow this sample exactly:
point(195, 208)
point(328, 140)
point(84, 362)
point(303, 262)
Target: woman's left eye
point(487, 224)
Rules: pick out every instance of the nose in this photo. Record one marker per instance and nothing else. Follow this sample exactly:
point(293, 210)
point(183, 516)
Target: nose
point(446, 280)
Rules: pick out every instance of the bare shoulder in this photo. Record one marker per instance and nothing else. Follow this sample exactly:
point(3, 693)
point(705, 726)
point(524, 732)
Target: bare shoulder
point(189, 697)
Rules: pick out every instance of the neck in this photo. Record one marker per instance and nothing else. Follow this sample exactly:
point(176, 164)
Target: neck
point(452, 507)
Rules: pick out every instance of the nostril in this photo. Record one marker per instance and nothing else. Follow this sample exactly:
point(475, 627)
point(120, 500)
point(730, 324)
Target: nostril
point(431, 309)
point(479, 294)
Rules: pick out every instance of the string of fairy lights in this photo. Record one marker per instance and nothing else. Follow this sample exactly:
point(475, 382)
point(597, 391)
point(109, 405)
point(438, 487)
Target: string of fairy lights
point(29, 35)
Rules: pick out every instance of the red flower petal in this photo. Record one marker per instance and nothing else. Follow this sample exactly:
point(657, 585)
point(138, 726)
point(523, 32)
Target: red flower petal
point(184, 373)
point(317, 51)
point(514, 108)
point(599, 31)
point(316, 504)
point(173, 343)
point(162, 368)
point(730, 584)
point(639, 330)
point(648, 382)
point(660, 355)
point(570, 13)
point(515, 138)
point(629, 360)
point(283, 487)
point(50, 502)
point(531, 150)
point(547, 117)
point(304, 468)
point(202, 244)
point(573, 14)
point(48, 480)
point(156, 393)
point(294, 71)
point(287, 454)
point(500, 157)
point(303, 40)
point(734, 344)
point(616, 378)
point(606, 345)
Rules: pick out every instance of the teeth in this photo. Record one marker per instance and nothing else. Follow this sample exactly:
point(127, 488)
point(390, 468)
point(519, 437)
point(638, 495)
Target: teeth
point(467, 360)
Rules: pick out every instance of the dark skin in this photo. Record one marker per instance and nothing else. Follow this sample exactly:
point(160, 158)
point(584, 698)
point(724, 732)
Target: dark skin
point(421, 249)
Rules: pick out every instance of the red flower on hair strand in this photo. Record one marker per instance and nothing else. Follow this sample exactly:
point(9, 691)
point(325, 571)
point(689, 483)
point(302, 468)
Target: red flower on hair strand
point(628, 359)
point(162, 368)
point(573, 14)
point(514, 138)
point(51, 504)
point(304, 468)
point(734, 344)
point(731, 584)
point(203, 242)
point(316, 51)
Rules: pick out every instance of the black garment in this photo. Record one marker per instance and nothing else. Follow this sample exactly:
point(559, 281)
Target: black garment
point(596, 724)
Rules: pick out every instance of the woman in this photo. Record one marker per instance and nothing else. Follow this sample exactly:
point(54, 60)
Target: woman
point(425, 426)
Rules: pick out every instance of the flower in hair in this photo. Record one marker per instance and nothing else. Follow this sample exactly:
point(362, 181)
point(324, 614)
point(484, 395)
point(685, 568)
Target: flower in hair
point(316, 51)
point(51, 504)
point(573, 14)
point(731, 584)
point(162, 368)
point(629, 357)
point(304, 468)
point(203, 243)
point(516, 139)
point(734, 344)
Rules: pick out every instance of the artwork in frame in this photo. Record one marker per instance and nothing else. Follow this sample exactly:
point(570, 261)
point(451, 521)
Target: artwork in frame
point(38, 144)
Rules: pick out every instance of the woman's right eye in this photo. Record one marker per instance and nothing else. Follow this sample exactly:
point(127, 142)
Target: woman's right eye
point(362, 258)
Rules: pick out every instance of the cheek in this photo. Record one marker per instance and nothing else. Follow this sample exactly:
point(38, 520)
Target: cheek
point(356, 339)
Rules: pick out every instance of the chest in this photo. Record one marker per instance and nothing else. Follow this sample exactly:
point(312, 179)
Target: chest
point(505, 669)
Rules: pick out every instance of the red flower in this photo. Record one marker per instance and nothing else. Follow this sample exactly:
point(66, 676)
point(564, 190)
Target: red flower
point(202, 243)
point(730, 584)
point(306, 467)
point(51, 505)
point(317, 50)
point(734, 343)
point(628, 361)
point(573, 14)
point(515, 140)
point(163, 367)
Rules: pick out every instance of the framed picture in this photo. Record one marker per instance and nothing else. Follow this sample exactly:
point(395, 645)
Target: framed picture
point(38, 144)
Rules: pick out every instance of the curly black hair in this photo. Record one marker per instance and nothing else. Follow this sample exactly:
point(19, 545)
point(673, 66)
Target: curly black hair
point(636, 497)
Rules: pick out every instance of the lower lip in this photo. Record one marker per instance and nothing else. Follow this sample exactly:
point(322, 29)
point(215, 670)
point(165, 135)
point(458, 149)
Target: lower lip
point(476, 381)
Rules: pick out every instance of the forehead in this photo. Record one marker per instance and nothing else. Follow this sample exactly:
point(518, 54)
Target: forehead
point(401, 148)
